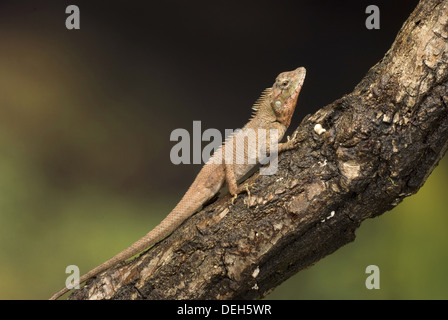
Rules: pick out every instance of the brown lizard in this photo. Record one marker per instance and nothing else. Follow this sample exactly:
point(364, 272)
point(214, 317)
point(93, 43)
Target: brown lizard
point(272, 116)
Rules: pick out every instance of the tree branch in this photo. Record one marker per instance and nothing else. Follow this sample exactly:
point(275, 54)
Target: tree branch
point(380, 144)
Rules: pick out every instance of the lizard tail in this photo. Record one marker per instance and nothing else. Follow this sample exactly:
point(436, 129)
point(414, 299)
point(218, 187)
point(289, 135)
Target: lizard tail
point(146, 241)
point(188, 205)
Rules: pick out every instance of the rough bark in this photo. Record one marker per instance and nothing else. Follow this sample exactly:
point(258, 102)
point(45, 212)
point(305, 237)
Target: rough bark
point(380, 144)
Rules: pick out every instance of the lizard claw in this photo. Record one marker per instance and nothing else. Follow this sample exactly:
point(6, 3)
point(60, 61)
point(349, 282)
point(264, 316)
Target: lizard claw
point(244, 188)
point(234, 198)
point(294, 136)
point(248, 195)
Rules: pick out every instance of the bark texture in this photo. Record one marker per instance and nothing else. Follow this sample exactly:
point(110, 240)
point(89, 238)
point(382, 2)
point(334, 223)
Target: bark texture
point(379, 144)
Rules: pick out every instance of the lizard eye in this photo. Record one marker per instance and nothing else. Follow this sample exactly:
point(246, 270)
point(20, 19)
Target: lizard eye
point(284, 83)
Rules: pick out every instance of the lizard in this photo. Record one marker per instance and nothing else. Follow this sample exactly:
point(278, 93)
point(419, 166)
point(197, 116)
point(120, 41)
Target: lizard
point(272, 111)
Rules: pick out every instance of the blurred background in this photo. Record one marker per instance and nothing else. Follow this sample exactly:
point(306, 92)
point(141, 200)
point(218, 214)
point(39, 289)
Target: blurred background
point(86, 116)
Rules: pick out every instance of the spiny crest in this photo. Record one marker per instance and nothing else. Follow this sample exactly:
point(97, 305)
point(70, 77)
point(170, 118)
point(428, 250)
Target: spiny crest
point(260, 101)
point(264, 95)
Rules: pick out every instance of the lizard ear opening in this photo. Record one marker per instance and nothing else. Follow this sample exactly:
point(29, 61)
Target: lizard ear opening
point(277, 106)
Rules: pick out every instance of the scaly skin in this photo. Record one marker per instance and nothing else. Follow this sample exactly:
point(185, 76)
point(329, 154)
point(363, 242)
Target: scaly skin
point(274, 110)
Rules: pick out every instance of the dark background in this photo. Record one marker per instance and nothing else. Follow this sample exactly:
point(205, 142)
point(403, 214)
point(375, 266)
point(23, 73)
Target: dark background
point(86, 116)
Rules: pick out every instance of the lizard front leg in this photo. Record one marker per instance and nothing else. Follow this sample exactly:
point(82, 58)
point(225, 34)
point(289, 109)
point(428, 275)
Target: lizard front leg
point(291, 143)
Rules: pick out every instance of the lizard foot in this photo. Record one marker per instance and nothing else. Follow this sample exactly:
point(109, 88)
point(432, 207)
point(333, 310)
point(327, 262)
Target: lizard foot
point(244, 188)
point(291, 142)
point(234, 198)
point(248, 195)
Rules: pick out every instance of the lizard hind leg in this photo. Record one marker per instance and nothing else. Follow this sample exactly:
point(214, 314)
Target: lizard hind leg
point(231, 181)
point(234, 189)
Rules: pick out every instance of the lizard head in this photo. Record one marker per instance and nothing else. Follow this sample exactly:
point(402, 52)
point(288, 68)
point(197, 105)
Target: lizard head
point(285, 92)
